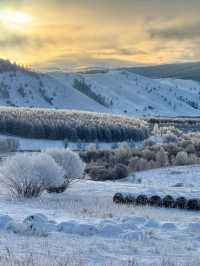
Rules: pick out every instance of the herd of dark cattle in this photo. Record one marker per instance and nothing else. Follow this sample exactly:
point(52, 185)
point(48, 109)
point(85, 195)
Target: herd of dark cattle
point(156, 201)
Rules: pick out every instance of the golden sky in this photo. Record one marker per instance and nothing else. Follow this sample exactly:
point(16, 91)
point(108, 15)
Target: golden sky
point(110, 33)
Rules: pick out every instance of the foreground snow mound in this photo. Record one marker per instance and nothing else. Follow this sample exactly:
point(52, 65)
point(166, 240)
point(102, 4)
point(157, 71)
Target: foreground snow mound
point(38, 225)
point(132, 228)
point(129, 228)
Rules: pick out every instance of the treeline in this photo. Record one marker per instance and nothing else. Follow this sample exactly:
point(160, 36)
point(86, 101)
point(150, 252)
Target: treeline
point(185, 124)
point(174, 120)
point(7, 66)
point(70, 125)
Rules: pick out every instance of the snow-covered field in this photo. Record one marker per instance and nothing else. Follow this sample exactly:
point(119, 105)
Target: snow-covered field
point(84, 227)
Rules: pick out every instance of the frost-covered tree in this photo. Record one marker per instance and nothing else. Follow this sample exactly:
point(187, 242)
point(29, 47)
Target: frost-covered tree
point(29, 175)
point(71, 163)
point(156, 130)
point(72, 125)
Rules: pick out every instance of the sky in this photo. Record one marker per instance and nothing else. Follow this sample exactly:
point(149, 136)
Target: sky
point(99, 33)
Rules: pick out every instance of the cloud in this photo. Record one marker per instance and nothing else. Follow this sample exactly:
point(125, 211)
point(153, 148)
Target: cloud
point(102, 31)
point(67, 61)
point(23, 41)
point(13, 41)
point(183, 31)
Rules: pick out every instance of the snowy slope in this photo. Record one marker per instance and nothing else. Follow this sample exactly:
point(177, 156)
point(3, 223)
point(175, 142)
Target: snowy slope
point(124, 92)
point(41, 90)
point(136, 95)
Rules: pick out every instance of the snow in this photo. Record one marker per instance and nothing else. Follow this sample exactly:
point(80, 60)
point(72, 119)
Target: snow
point(85, 225)
point(129, 93)
point(137, 95)
point(41, 90)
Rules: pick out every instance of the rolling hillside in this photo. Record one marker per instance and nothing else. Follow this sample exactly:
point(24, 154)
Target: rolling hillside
point(128, 93)
point(116, 91)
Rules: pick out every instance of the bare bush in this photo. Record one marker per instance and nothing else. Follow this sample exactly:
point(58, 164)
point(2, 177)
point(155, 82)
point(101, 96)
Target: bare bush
point(141, 165)
point(100, 173)
point(133, 162)
point(29, 175)
point(123, 153)
point(105, 172)
point(121, 171)
point(148, 154)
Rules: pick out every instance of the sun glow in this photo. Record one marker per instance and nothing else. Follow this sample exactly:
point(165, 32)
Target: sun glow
point(14, 19)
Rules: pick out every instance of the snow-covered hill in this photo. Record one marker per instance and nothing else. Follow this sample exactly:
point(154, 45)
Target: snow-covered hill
point(126, 92)
point(119, 92)
point(41, 90)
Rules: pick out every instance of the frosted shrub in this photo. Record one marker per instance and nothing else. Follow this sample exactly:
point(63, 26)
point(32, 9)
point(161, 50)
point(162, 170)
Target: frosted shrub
point(193, 159)
point(29, 175)
point(181, 158)
point(196, 144)
point(71, 163)
point(162, 158)
point(190, 148)
point(172, 149)
point(149, 142)
point(170, 138)
point(184, 143)
point(151, 165)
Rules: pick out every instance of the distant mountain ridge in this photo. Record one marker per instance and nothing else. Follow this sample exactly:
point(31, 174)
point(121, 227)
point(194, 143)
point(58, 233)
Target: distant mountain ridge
point(189, 71)
point(111, 91)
